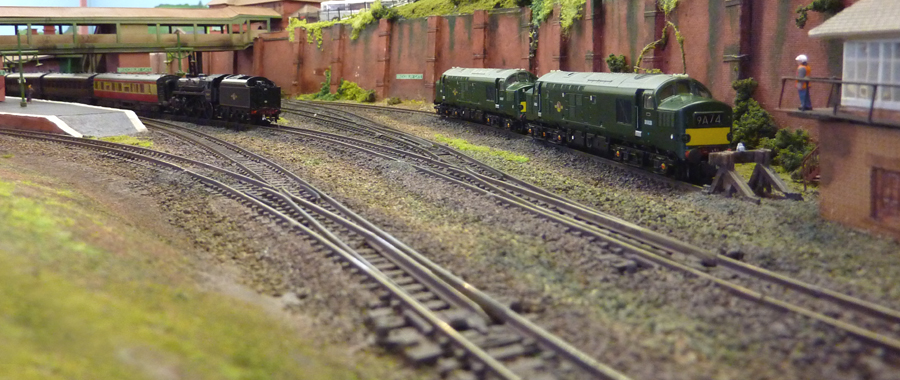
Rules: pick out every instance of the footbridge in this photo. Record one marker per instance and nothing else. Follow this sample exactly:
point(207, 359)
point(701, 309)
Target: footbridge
point(59, 31)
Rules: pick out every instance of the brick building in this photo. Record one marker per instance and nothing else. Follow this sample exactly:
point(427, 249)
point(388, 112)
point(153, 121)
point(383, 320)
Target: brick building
point(859, 130)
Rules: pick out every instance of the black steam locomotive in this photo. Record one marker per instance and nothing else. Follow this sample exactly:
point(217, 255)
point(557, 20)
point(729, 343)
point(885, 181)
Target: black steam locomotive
point(242, 98)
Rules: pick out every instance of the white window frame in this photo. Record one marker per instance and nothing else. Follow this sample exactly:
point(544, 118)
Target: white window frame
point(871, 61)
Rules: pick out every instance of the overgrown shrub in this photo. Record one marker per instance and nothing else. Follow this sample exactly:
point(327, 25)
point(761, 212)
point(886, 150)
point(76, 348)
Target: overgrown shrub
point(828, 7)
point(393, 100)
point(790, 148)
point(751, 122)
point(617, 64)
point(347, 91)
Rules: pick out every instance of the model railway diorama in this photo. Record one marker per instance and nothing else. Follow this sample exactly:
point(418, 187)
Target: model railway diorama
point(484, 222)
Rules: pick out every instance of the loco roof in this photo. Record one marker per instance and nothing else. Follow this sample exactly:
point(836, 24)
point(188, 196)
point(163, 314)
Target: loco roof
point(620, 80)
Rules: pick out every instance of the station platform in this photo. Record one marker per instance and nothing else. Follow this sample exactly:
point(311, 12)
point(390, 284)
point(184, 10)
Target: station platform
point(73, 119)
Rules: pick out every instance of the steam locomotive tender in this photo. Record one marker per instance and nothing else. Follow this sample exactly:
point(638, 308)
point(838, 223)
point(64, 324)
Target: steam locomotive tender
point(241, 98)
point(666, 123)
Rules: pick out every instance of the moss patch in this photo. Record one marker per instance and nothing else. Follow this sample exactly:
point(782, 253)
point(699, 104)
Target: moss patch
point(465, 146)
point(128, 140)
point(72, 310)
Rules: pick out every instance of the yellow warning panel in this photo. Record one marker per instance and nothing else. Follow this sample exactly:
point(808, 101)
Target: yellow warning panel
point(708, 136)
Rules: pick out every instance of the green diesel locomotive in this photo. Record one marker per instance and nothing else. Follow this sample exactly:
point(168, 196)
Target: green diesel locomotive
point(666, 123)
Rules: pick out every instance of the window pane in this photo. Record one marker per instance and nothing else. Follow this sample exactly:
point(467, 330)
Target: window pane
point(874, 50)
point(850, 70)
point(861, 71)
point(873, 71)
point(896, 50)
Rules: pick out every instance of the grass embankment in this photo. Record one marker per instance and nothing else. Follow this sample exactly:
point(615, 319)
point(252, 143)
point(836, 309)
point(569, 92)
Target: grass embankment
point(465, 146)
point(73, 310)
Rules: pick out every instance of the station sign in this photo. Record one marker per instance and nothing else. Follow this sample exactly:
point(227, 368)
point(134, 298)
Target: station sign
point(134, 70)
point(409, 76)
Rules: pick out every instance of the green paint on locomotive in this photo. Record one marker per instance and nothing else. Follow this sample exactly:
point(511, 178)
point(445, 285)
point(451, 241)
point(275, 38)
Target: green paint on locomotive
point(498, 91)
point(654, 120)
point(650, 110)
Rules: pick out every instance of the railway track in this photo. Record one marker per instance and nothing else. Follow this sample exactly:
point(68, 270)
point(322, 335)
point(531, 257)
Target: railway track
point(419, 309)
point(873, 324)
point(300, 108)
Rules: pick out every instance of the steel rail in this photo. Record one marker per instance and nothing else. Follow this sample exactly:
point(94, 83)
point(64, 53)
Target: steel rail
point(663, 243)
point(446, 292)
point(671, 245)
point(490, 363)
point(498, 311)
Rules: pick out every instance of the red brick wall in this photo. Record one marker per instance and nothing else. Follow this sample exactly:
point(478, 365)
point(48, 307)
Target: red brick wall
point(723, 41)
point(848, 153)
point(408, 55)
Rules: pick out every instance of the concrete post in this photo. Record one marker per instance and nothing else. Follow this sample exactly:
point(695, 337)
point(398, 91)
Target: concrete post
point(383, 79)
point(479, 34)
point(433, 54)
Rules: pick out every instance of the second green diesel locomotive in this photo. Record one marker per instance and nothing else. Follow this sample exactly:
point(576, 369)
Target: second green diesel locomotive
point(667, 123)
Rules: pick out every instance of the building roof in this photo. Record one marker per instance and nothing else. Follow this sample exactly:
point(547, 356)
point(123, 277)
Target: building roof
point(866, 18)
point(241, 3)
point(10, 14)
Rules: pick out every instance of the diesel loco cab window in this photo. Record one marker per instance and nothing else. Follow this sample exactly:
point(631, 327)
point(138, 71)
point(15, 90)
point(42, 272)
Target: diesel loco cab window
point(623, 111)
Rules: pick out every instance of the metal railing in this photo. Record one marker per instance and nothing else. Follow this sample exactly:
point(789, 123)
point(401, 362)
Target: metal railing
point(835, 94)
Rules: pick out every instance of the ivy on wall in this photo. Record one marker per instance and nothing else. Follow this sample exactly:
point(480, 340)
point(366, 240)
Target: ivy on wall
point(667, 6)
point(569, 12)
point(358, 21)
point(827, 7)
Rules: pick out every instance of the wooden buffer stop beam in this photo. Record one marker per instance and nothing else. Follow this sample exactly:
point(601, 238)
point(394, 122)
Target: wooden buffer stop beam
point(761, 183)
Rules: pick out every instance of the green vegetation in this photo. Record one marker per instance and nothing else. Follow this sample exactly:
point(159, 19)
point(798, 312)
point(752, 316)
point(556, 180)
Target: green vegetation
point(129, 140)
point(617, 64)
point(73, 310)
point(347, 91)
point(358, 21)
point(393, 101)
point(751, 122)
point(569, 12)
point(828, 7)
point(667, 6)
point(789, 148)
point(756, 128)
point(463, 145)
point(7, 156)
point(425, 8)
